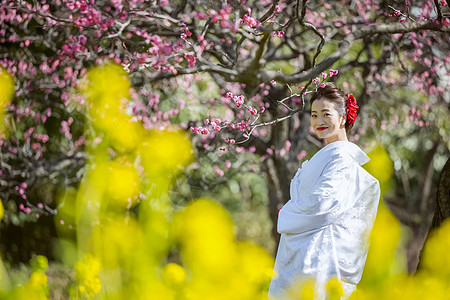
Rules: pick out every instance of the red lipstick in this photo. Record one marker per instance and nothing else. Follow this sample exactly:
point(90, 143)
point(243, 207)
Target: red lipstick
point(321, 128)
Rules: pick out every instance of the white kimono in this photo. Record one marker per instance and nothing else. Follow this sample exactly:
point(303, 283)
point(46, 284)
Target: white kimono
point(326, 224)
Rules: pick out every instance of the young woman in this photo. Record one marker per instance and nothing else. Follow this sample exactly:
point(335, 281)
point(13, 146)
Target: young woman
point(325, 225)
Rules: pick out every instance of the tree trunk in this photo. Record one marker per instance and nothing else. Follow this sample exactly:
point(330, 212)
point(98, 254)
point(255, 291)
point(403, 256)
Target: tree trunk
point(280, 170)
point(276, 200)
point(442, 208)
point(416, 215)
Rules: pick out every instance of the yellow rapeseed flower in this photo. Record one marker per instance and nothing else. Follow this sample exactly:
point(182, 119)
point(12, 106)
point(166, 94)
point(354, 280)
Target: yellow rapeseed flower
point(334, 289)
point(205, 231)
point(2, 210)
point(6, 93)
point(106, 89)
point(436, 259)
point(6, 87)
point(38, 280)
point(117, 241)
point(107, 85)
point(123, 183)
point(380, 166)
point(165, 152)
point(86, 273)
point(174, 275)
point(256, 264)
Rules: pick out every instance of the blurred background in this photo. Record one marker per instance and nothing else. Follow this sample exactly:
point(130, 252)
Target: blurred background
point(119, 114)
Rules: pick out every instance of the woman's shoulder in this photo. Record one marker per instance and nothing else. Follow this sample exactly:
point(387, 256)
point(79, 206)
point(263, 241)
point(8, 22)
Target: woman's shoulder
point(346, 151)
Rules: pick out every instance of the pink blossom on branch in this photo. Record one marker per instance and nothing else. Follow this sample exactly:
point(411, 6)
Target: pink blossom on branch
point(333, 72)
point(191, 60)
point(218, 171)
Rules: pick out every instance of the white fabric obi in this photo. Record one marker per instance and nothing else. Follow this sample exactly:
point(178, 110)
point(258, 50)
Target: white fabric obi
point(325, 226)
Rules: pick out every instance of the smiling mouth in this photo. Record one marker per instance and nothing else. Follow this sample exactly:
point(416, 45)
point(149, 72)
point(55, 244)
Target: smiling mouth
point(321, 128)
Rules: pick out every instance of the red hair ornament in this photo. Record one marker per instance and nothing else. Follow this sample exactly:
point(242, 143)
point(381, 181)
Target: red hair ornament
point(351, 108)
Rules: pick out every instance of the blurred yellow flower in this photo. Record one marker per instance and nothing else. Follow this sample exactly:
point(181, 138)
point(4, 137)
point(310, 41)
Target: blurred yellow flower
point(123, 183)
point(107, 84)
point(334, 289)
point(218, 266)
point(174, 275)
point(106, 90)
point(165, 152)
point(436, 257)
point(38, 280)
point(36, 287)
point(205, 231)
point(6, 93)
point(117, 241)
point(380, 165)
point(256, 263)
point(6, 87)
point(39, 263)
point(86, 273)
point(2, 210)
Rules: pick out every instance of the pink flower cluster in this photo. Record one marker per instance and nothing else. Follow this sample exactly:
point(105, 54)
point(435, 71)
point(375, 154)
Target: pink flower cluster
point(277, 9)
point(26, 210)
point(73, 47)
point(282, 152)
point(65, 128)
point(192, 59)
point(41, 137)
point(279, 33)
point(185, 32)
point(333, 73)
point(21, 189)
point(253, 111)
point(218, 171)
point(228, 140)
point(222, 17)
point(200, 130)
point(241, 125)
point(250, 21)
point(90, 16)
point(318, 81)
point(238, 100)
point(215, 125)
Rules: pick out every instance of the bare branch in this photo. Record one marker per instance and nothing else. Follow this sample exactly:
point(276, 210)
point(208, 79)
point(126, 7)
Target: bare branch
point(232, 74)
point(398, 28)
point(439, 11)
point(122, 27)
point(254, 65)
point(269, 13)
point(345, 44)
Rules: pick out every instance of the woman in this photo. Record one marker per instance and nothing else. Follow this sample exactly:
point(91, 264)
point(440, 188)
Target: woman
point(325, 225)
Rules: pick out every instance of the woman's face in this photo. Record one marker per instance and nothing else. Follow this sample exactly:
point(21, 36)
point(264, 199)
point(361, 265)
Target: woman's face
point(326, 122)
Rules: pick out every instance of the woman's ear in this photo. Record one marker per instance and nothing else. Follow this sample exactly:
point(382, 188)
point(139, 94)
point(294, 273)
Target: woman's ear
point(343, 121)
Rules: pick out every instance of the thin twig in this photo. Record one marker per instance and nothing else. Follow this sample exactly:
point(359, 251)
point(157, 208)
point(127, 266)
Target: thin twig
point(121, 29)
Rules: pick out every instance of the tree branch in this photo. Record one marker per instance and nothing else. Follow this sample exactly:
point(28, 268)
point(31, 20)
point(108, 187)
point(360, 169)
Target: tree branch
point(345, 44)
point(439, 11)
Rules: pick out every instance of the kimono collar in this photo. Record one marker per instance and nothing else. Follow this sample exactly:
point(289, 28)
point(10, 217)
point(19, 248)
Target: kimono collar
point(358, 155)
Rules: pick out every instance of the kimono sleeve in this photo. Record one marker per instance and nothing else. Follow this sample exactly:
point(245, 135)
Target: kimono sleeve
point(323, 203)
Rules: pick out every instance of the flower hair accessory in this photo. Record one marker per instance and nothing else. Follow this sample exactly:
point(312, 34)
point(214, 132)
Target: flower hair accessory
point(351, 109)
